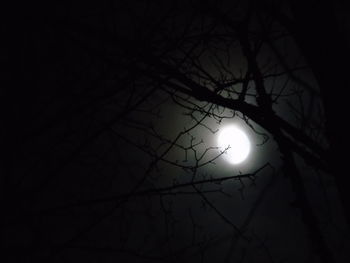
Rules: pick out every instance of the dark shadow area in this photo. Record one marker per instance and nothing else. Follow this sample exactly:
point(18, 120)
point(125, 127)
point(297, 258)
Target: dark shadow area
point(110, 115)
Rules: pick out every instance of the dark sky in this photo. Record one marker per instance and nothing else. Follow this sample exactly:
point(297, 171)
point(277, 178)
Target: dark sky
point(100, 159)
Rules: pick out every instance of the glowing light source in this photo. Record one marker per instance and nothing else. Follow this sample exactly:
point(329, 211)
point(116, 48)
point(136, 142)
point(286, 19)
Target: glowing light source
point(236, 144)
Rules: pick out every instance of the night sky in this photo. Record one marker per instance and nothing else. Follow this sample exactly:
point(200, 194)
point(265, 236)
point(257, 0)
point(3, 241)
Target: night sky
point(111, 113)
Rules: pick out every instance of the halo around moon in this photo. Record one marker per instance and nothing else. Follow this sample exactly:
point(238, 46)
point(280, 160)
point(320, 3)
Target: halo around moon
point(235, 143)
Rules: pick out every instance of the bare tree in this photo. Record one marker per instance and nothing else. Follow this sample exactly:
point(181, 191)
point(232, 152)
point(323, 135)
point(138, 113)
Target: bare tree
point(113, 160)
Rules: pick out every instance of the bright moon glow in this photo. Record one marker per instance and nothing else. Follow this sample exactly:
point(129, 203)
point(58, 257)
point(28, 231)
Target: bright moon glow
point(236, 142)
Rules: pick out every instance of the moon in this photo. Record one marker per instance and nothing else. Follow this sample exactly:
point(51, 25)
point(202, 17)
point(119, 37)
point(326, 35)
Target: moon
point(235, 143)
